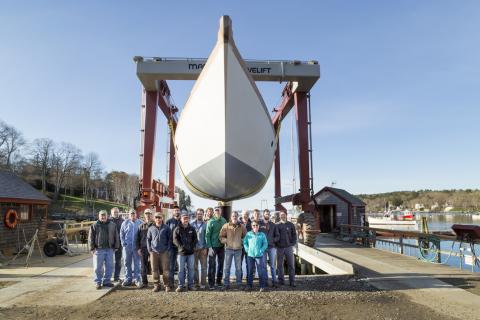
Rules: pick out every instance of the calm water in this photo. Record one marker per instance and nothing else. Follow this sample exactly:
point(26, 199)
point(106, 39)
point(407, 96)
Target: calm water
point(442, 222)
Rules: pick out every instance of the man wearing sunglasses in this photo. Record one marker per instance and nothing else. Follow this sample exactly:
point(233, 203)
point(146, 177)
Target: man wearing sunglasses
point(255, 243)
point(159, 242)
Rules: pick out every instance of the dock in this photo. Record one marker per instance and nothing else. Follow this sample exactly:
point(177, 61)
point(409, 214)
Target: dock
point(425, 283)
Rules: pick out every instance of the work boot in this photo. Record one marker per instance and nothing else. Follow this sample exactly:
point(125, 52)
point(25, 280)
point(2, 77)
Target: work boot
point(168, 289)
point(156, 288)
point(98, 286)
point(293, 285)
point(179, 289)
point(108, 285)
point(262, 290)
point(192, 288)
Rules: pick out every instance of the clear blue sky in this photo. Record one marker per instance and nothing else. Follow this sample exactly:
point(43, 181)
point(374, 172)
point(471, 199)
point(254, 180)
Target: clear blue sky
point(397, 107)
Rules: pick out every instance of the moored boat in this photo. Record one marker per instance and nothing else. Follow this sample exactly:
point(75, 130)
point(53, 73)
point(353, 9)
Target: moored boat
point(394, 217)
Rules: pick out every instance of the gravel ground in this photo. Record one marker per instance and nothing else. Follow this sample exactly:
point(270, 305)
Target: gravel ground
point(315, 297)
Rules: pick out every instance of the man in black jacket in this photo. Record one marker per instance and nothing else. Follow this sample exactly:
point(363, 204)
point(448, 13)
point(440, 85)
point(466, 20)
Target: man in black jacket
point(103, 240)
point(185, 239)
point(273, 236)
point(115, 218)
point(288, 238)
point(141, 246)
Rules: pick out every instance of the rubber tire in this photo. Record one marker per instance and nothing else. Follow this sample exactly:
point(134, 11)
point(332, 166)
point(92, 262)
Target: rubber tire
point(50, 248)
point(306, 220)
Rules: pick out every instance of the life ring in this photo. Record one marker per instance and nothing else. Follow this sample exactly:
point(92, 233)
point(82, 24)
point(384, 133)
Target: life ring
point(11, 219)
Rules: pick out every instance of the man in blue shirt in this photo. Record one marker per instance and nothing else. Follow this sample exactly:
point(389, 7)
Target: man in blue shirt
point(128, 235)
point(201, 251)
point(159, 242)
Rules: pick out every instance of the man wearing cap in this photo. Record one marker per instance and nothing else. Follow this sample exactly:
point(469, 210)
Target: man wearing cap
point(102, 242)
point(201, 250)
point(172, 223)
point(115, 218)
point(231, 235)
point(159, 241)
point(285, 243)
point(128, 234)
point(141, 246)
point(273, 235)
point(216, 250)
point(185, 239)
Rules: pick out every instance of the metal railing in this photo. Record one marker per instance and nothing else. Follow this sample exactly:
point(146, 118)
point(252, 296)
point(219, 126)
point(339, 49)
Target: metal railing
point(425, 246)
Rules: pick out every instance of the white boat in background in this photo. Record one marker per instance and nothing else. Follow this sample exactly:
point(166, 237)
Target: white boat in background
point(225, 141)
point(476, 216)
point(394, 217)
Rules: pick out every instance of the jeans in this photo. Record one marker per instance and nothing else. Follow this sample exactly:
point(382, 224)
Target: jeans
point(261, 268)
point(271, 253)
point(118, 264)
point(172, 261)
point(229, 255)
point(146, 267)
point(132, 264)
point(288, 253)
point(159, 262)
point(185, 261)
point(213, 255)
point(200, 255)
point(101, 257)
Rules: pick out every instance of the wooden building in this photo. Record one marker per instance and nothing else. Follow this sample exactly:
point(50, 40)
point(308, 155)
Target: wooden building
point(337, 206)
point(23, 210)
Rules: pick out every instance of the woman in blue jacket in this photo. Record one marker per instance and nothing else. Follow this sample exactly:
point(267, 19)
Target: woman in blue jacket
point(255, 243)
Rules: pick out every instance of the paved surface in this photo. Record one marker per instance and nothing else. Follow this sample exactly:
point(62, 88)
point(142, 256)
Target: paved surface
point(70, 284)
point(418, 280)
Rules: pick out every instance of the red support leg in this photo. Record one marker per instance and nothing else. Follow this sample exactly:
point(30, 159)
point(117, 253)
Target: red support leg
point(149, 123)
point(301, 116)
point(278, 183)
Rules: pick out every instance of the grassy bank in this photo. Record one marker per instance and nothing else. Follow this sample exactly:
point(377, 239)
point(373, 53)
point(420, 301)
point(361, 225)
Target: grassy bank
point(70, 204)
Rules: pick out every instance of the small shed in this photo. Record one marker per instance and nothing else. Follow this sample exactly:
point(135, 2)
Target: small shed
point(336, 207)
point(23, 210)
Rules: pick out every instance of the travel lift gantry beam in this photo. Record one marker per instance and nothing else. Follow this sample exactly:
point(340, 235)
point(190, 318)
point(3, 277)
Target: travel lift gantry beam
point(300, 77)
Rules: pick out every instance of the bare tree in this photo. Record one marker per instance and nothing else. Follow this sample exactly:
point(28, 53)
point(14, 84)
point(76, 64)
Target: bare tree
point(92, 169)
point(65, 159)
point(11, 140)
point(42, 150)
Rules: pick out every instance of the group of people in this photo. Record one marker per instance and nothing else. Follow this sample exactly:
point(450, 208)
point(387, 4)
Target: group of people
point(202, 249)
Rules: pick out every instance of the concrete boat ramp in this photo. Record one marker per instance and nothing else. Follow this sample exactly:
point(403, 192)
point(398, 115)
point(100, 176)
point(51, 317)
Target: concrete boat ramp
point(424, 283)
point(67, 283)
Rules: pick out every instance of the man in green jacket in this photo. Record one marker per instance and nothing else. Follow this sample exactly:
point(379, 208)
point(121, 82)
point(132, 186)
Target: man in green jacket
point(215, 248)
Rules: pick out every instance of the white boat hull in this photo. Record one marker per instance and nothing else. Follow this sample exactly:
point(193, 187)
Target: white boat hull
point(225, 141)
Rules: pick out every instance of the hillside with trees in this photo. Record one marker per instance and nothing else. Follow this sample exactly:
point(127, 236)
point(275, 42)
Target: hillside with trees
point(66, 174)
point(427, 200)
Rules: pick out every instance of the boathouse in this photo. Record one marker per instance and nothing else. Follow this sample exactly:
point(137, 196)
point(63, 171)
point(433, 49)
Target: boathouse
point(23, 210)
point(337, 207)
